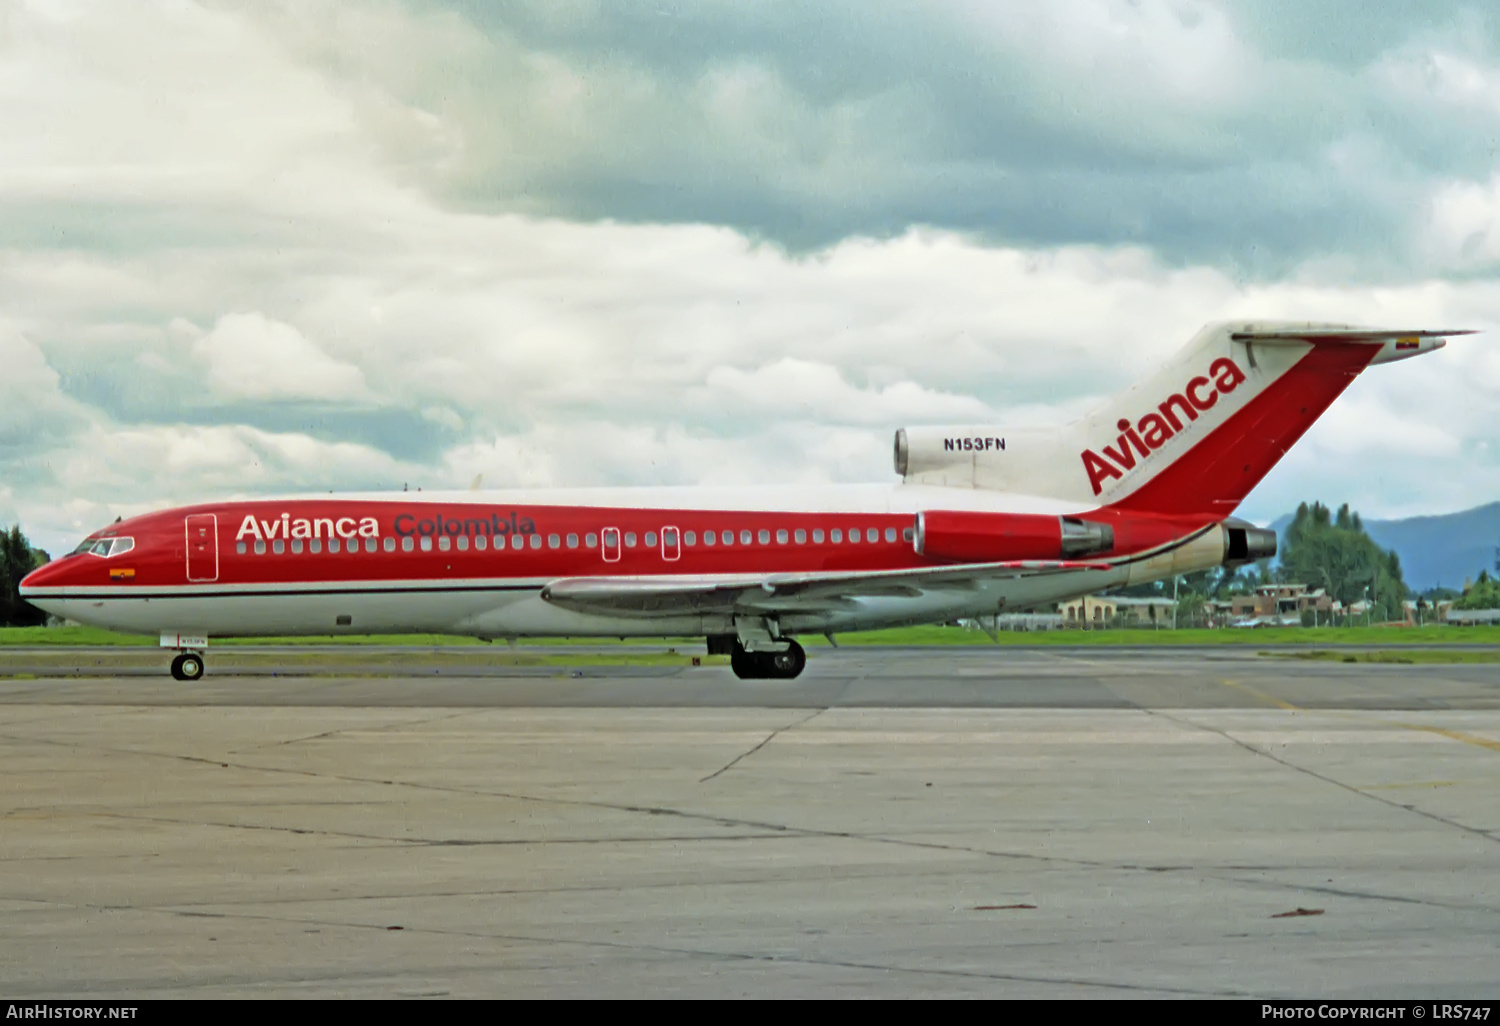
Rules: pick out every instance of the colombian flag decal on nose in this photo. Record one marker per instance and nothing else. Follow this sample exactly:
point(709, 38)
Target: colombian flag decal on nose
point(121, 573)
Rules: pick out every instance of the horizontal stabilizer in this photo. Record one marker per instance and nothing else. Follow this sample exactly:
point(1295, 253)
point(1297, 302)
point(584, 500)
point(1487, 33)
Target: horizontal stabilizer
point(1316, 333)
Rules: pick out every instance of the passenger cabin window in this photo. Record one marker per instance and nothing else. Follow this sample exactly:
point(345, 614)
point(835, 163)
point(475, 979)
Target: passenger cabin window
point(462, 541)
point(836, 535)
point(817, 536)
point(369, 544)
point(389, 544)
point(278, 546)
point(854, 535)
point(536, 541)
point(727, 537)
point(690, 538)
point(260, 547)
point(650, 539)
point(426, 544)
point(333, 544)
point(800, 536)
point(444, 543)
point(781, 536)
point(890, 534)
point(240, 547)
point(408, 543)
point(316, 545)
point(297, 546)
point(630, 539)
point(481, 542)
point(591, 539)
point(572, 541)
point(518, 541)
point(746, 538)
point(554, 541)
point(709, 538)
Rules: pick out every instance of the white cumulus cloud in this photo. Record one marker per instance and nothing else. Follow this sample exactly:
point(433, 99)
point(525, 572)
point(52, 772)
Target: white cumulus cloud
point(250, 356)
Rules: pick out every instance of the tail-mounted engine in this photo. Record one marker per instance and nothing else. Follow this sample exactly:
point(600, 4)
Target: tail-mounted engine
point(1245, 543)
point(963, 537)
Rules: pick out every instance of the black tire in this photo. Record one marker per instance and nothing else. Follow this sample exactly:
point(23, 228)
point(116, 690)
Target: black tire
point(746, 665)
point(767, 665)
point(187, 666)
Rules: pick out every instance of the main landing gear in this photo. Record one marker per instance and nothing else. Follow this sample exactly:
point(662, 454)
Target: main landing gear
point(782, 665)
point(187, 666)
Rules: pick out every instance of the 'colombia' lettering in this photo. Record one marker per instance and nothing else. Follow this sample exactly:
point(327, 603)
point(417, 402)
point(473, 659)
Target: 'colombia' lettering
point(495, 524)
point(1145, 436)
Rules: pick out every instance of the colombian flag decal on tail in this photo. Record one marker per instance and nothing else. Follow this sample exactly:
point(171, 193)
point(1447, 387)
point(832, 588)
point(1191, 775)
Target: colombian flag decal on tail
point(1408, 343)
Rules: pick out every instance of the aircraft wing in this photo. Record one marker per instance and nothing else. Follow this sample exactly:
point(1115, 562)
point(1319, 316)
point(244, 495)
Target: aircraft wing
point(748, 594)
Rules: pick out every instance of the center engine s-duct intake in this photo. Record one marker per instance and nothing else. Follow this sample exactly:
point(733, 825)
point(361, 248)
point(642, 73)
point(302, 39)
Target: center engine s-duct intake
point(964, 537)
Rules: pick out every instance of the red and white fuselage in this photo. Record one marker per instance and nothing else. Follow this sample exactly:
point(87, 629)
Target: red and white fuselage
point(985, 520)
point(476, 563)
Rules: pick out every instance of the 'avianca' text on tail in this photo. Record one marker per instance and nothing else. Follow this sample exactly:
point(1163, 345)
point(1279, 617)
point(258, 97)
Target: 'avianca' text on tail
point(984, 519)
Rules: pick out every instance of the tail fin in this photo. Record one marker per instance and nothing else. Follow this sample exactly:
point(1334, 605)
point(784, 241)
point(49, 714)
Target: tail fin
point(1192, 439)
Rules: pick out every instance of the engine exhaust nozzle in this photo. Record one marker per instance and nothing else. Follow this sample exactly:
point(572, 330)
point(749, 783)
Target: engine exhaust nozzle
point(1245, 543)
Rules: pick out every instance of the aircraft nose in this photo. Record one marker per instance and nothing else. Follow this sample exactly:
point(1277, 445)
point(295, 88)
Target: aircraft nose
point(49, 576)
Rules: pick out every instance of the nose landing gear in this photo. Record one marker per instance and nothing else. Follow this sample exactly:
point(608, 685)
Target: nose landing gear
point(187, 666)
point(782, 665)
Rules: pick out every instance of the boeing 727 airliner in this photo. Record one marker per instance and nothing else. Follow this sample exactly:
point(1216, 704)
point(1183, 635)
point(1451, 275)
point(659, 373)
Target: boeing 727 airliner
point(984, 519)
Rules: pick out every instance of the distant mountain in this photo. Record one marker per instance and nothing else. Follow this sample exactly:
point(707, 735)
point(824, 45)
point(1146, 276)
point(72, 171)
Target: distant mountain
point(1438, 551)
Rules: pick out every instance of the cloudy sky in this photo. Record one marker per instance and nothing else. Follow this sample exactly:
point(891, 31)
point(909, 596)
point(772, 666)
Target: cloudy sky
point(255, 248)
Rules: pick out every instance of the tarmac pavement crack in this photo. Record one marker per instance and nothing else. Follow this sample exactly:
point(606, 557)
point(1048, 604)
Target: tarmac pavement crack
point(1247, 746)
point(1339, 892)
point(687, 952)
point(371, 729)
point(733, 822)
point(768, 739)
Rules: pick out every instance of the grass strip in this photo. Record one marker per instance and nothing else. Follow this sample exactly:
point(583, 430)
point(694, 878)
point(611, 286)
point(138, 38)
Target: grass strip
point(934, 635)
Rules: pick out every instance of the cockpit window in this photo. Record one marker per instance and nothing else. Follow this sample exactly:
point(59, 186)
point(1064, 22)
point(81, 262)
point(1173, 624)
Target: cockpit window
point(105, 546)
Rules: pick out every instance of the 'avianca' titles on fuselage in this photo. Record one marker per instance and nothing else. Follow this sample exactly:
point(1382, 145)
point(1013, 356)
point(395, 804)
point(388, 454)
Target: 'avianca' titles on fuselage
point(404, 525)
point(1152, 431)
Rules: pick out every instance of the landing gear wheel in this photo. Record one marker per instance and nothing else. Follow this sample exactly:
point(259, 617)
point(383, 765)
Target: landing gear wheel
point(767, 665)
point(785, 665)
point(187, 666)
point(744, 664)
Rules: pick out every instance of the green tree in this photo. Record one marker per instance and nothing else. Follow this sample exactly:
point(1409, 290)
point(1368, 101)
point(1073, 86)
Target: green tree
point(1332, 551)
point(17, 559)
point(1482, 594)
